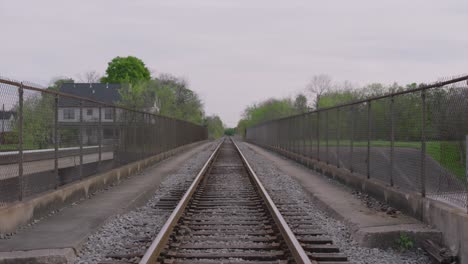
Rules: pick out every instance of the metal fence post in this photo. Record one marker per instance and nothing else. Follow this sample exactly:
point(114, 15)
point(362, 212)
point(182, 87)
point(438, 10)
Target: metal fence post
point(140, 128)
point(303, 135)
point(100, 135)
point(158, 135)
point(423, 144)
point(288, 138)
point(369, 126)
point(466, 173)
point(318, 136)
point(351, 143)
point(338, 137)
point(296, 137)
point(81, 139)
point(303, 129)
point(310, 125)
point(278, 133)
point(392, 139)
point(56, 143)
point(3, 122)
point(20, 142)
point(115, 141)
point(134, 140)
point(326, 137)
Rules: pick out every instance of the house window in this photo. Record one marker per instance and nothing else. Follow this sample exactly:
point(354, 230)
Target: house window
point(68, 113)
point(108, 133)
point(89, 111)
point(108, 113)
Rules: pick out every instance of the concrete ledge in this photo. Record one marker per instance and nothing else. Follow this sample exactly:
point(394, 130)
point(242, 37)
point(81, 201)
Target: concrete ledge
point(50, 256)
point(20, 213)
point(450, 220)
point(389, 235)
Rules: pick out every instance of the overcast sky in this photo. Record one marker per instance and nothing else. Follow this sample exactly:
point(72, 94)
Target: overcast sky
point(234, 53)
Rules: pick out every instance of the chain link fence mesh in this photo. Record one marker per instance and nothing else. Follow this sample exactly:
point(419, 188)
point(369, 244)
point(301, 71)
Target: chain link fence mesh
point(414, 140)
point(49, 139)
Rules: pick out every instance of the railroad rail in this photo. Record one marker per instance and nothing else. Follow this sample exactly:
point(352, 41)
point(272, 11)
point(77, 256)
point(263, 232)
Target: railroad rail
point(227, 216)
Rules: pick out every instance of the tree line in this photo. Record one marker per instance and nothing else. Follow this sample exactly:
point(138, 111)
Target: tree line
point(445, 115)
point(444, 121)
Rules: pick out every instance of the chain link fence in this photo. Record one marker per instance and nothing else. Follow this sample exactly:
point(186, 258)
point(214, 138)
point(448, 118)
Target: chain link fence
point(414, 140)
point(49, 139)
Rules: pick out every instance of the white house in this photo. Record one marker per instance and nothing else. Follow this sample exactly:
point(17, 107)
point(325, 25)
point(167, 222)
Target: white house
point(69, 109)
point(7, 120)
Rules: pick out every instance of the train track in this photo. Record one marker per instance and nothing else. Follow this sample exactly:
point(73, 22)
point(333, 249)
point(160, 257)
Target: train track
point(226, 216)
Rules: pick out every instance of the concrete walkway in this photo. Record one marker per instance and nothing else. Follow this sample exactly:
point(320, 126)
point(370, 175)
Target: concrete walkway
point(58, 237)
point(369, 227)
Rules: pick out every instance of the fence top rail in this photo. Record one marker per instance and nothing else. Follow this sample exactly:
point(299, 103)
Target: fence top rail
point(370, 99)
point(29, 87)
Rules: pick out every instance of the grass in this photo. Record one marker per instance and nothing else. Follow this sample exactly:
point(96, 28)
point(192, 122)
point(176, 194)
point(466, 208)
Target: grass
point(446, 153)
point(8, 147)
point(14, 147)
point(404, 242)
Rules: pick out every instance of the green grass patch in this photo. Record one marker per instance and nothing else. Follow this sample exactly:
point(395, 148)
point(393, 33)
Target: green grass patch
point(14, 147)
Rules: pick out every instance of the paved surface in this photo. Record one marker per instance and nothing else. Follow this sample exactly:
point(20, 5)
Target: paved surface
point(69, 228)
point(368, 224)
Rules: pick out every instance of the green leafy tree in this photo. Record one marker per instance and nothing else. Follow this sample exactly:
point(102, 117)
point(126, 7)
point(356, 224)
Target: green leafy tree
point(173, 98)
point(335, 98)
point(126, 70)
point(215, 126)
point(264, 111)
point(230, 131)
point(136, 96)
point(38, 121)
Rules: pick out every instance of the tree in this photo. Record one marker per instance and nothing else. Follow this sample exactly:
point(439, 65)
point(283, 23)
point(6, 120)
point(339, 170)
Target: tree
point(173, 98)
point(230, 131)
point(215, 126)
point(126, 70)
point(336, 98)
point(318, 85)
point(135, 96)
point(38, 120)
point(90, 77)
point(166, 95)
point(267, 110)
point(300, 103)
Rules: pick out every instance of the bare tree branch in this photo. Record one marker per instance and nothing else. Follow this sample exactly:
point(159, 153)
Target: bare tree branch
point(319, 85)
point(90, 77)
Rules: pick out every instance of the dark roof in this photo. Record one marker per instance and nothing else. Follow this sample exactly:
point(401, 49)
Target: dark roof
point(7, 114)
point(102, 92)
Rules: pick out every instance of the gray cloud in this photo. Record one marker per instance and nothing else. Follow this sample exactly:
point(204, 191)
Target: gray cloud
point(238, 52)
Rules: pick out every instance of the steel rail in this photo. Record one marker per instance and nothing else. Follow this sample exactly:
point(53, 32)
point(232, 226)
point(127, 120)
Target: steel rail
point(298, 253)
point(152, 254)
point(158, 244)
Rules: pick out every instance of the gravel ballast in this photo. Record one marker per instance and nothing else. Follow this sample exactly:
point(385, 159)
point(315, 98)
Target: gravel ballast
point(132, 232)
point(281, 185)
